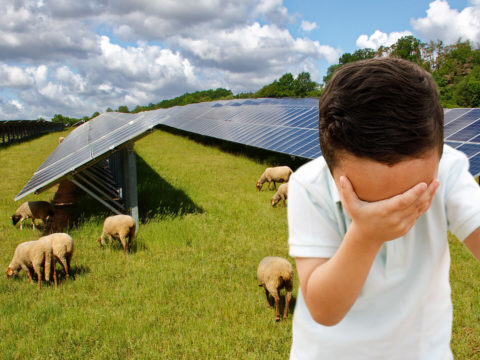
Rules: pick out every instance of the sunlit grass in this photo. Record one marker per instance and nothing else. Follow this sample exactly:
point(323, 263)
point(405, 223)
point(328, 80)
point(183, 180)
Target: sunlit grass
point(189, 290)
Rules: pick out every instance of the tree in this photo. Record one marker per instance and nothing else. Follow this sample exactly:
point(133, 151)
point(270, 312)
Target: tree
point(123, 109)
point(303, 84)
point(346, 58)
point(408, 48)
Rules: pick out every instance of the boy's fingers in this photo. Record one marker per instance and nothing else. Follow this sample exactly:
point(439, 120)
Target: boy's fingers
point(427, 198)
point(410, 196)
point(347, 193)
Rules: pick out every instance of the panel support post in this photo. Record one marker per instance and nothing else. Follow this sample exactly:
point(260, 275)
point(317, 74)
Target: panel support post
point(130, 181)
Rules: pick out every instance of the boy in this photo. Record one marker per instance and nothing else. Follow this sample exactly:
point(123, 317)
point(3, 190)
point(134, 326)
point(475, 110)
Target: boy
point(368, 220)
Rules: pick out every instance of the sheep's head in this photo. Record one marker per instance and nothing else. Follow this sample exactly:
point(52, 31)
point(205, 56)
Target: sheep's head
point(274, 201)
point(11, 272)
point(259, 186)
point(100, 240)
point(15, 219)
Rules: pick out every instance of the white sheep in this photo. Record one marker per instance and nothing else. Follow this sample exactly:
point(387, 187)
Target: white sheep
point(60, 139)
point(33, 210)
point(281, 194)
point(32, 255)
point(119, 227)
point(278, 174)
point(275, 273)
point(62, 248)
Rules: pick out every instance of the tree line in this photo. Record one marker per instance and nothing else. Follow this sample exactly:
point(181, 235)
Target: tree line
point(455, 68)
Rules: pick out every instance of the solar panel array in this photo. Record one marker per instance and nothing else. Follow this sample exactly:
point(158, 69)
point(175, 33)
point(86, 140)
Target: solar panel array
point(462, 132)
point(288, 126)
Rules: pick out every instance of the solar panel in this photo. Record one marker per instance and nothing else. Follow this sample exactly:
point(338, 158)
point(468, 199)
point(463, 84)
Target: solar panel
point(288, 126)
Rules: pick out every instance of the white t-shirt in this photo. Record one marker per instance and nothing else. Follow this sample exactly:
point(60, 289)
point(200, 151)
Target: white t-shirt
point(404, 310)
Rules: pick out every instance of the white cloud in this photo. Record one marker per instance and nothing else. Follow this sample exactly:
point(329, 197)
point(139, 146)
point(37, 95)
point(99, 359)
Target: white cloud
point(448, 24)
point(379, 38)
point(16, 104)
point(260, 48)
point(53, 61)
point(14, 77)
point(308, 26)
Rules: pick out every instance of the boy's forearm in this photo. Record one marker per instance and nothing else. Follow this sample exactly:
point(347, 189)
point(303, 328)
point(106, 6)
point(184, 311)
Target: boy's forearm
point(472, 242)
point(333, 287)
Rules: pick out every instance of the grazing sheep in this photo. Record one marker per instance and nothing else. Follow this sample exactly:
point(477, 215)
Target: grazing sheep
point(119, 227)
point(274, 174)
point(60, 139)
point(275, 273)
point(62, 248)
point(32, 255)
point(33, 210)
point(282, 193)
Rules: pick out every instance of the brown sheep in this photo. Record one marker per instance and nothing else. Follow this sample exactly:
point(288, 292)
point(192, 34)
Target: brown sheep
point(62, 249)
point(282, 194)
point(119, 227)
point(32, 255)
point(275, 273)
point(33, 210)
point(278, 174)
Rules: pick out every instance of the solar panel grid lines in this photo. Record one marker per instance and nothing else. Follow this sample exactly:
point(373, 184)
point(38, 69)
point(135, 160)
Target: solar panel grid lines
point(461, 122)
point(453, 114)
point(288, 126)
point(467, 133)
point(469, 149)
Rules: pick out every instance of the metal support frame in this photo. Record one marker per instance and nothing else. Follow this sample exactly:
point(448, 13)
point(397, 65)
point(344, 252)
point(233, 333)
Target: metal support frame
point(130, 180)
point(95, 196)
point(99, 184)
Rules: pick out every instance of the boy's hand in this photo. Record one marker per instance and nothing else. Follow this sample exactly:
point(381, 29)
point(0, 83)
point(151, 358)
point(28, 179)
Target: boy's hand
point(387, 219)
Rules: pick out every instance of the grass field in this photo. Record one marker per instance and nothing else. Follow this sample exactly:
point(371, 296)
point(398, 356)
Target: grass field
point(189, 290)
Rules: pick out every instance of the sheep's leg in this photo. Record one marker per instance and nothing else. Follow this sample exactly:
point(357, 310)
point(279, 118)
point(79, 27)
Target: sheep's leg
point(288, 297)
point(21, 223)
point(49, 259)
point(130, 238)
point(33, 223)
point(54, 273)
point(37, 271)
point(123, 241)
point(69, 259)
point(283, 198)
point(268, 185)
point(27, 270)
point(277, 305)
point(39, 276)
point(274, 185)
point(63, 261)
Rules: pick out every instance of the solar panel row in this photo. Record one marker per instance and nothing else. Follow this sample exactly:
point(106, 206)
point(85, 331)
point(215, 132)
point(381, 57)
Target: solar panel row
point(286, 126)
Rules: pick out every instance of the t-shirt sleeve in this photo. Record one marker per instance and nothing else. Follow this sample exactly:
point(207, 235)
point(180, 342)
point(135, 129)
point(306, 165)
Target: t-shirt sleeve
point(312, 226)
point(462, 198)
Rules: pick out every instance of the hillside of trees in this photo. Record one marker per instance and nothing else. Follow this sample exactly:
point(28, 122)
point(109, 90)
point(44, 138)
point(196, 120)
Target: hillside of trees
point(455, 68)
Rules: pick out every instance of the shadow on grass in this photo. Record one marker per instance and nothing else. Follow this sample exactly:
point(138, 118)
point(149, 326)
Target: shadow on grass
point(262, 156)
point(157, 198)
point(281, 305)
point(75, 270)
point(117, 246)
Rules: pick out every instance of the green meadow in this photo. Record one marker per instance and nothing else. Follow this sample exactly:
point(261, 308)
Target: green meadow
point(188, 290)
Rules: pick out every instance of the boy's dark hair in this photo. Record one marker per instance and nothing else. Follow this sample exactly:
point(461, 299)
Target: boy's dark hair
point(384, 109)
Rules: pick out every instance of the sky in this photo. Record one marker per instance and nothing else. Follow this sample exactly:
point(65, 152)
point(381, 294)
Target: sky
point(78, 57)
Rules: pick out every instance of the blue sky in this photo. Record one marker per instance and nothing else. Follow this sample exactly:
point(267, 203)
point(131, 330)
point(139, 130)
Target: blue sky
point(75, 58)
